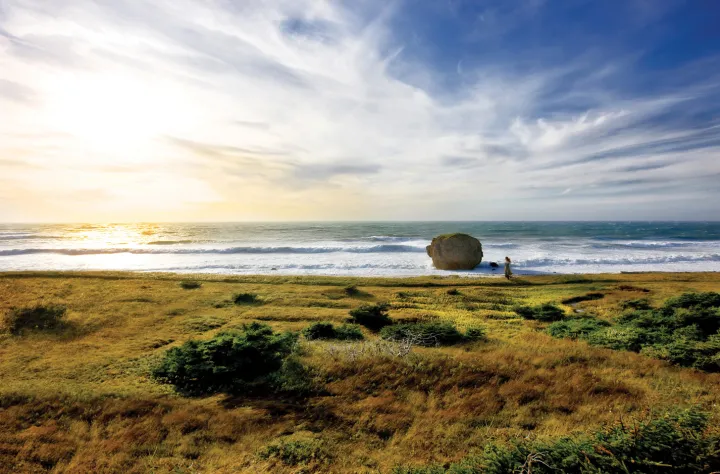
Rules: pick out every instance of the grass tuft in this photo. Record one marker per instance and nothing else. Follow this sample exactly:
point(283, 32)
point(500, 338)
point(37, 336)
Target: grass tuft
point(374, 316)
point(35, 318)
point(245, 298)
point(545, 312)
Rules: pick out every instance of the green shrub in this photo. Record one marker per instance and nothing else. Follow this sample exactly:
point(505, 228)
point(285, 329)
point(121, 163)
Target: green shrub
point(575, 328)
point(319, 331)
point(235, 361)
point(675, 442)
point(346, 332)
point(436, 333)
point(351, 290)
point(293, 378)
point(475, 333)
point(349, 332)
point(453, 292)
point(684, 331)
point(245, 298)
point(688, 352)
point(544, 312)
point(707, 320)
point(294, 452)
point(374, 317)
point(618, 338)
point(37, 318)
point(190, 285)
point(693, 300)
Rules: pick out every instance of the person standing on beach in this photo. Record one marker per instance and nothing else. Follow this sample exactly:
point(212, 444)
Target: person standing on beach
point(508, 272)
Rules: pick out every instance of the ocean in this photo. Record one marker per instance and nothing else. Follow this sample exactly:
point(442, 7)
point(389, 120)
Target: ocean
point(359, 248)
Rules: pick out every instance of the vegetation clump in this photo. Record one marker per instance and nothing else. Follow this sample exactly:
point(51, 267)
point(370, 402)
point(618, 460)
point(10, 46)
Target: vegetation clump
point(576, 328)
point(324, 330)
point(236, 362)
point(37, 318)
point(546, 312)
point(245, 298)
point(435, 333)
point(351, 290)
point(677, 441)
point(295, 452)
point(684, 331)
point(372, 316)
point(190, 285)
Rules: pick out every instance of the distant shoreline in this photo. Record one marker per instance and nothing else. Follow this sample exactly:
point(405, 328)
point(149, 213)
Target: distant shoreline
point(391, 249)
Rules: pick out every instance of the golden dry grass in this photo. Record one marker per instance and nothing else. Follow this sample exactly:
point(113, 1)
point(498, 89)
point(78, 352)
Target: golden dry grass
point(81, 400)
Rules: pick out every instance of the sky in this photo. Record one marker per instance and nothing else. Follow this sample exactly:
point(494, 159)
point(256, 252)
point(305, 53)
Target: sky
point(229, 110)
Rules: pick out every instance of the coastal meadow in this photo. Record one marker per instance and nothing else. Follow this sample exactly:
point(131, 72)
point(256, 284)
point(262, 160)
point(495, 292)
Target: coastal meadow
point(82, 393)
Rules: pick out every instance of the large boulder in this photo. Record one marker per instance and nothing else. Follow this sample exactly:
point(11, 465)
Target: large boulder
point(455, 252)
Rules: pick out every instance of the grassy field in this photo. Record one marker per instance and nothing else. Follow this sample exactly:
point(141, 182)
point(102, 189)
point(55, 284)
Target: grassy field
point(81, 399)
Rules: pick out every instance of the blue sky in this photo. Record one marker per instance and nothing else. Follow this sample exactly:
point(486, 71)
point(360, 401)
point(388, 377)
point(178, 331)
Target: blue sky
point(125, 110)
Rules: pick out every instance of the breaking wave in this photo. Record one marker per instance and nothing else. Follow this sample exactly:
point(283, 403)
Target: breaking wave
point(229, 250)
point(632, 260)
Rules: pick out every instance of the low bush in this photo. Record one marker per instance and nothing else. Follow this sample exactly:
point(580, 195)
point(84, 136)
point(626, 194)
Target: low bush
point(351, 290)
point(190, 285)
point(236, 361)
point(677, 441)
point(697, 301)
point(298, 451)
point(293, 378)
point(453, 292)
point(346, 332)
point(575, 328)
point(475, 334)
point(688, 352)
point(684, 331)
point(545, 312)
point(374, 317)
point(245, 298)
point(349, 332)
point(424, 334)
point(435, 333)
point(617, 337)
point(319, 331)
point(37, 318)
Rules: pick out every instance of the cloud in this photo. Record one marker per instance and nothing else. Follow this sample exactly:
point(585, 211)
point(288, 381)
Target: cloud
point(276, 103)
point(459, 161)
point(222, 150)
point(251, 124)
point(320, 172)
point(16, 92)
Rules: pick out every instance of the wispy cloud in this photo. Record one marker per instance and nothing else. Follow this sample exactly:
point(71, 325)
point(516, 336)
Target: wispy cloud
point(265, 105)
point(16, 92)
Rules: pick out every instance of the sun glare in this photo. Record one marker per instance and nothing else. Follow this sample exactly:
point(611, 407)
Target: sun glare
point(107, 112)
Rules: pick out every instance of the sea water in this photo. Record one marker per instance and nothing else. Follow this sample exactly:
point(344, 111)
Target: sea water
point(359, 248)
